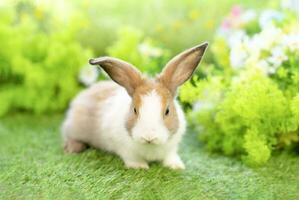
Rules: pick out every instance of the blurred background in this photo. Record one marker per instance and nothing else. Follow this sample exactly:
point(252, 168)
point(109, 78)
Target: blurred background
point(252, 60)
point(45, 44)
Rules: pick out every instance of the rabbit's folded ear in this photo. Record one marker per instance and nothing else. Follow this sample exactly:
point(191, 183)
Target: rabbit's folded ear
point(180, 68)
point(120, 71)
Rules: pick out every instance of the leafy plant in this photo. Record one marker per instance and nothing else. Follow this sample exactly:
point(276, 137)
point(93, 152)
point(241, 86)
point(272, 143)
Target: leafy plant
point(39, 60)
point(252, 92)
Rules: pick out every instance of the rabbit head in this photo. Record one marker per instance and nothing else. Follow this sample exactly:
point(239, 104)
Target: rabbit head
point(153, 117)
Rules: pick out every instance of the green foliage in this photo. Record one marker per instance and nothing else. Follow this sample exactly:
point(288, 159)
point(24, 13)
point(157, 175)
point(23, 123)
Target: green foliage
point(221, 54)
point(248, 119)
point(258, 152)
point(252, 91)
point(42, 43)
point(254, 108)
point(39, 60)
point(295, 108)
point(132, 47)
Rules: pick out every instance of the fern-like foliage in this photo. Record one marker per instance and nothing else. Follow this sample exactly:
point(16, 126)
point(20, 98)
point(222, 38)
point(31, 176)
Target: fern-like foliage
point(39, 60)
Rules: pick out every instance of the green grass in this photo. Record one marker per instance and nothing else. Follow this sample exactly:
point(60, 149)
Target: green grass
point(33, 166)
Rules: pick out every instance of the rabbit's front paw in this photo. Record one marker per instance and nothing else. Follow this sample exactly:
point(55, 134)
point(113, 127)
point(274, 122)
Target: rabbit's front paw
point(136, 164)
point(174, 162)
point(73, 146)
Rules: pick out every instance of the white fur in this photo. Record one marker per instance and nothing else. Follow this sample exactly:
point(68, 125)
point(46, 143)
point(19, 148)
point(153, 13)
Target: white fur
point(109, 132)
point(150, 124)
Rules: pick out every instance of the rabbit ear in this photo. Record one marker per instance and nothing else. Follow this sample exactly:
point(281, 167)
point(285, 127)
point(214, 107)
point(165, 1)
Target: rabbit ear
point(180, 68)
point(120, 71)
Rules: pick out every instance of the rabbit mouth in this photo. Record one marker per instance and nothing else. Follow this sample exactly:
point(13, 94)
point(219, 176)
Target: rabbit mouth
point(146, 141)
point(150, 143)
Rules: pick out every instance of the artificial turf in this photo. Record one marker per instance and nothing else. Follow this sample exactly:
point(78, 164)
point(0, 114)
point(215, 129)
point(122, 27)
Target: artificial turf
point(33, 166)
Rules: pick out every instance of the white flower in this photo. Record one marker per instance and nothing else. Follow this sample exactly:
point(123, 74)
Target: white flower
point(223, 32)
point(248, 16)
point(238, 55)
point(286, 4)
point(290, 4)
point(264, 66)
point(232, 24)
point(266, 39)
point(202, 105)
point(253, 58)
point(241, 77)
point(148, 50)
point(268, 16)
point(237, 37)
point(291, 41)
point(277, 57)
point(88, 75)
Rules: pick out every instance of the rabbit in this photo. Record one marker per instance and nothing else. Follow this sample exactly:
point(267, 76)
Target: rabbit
point(135, 117)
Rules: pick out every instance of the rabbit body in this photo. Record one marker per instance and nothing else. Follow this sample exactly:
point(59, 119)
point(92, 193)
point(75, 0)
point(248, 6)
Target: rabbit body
point(97, 117)
point(135, 117)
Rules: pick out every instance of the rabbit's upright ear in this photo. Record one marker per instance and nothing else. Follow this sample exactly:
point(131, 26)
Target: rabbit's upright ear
point(180, 68)
point(120, 71)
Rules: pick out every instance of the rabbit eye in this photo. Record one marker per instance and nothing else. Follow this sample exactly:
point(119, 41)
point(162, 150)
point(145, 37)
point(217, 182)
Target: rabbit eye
point(167, 111)
point(135, 111)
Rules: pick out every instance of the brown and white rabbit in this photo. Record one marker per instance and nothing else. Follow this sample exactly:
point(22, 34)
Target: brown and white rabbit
point(135, 117)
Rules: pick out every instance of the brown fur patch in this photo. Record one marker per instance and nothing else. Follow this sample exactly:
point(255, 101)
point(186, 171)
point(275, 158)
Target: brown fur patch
point(170, 120)
point(82, 116)
point(141, 90)
point(73, 146)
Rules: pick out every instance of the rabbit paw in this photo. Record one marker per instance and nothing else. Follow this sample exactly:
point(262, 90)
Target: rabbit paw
point(174, 162)
point(73, 146)
point(136, 165)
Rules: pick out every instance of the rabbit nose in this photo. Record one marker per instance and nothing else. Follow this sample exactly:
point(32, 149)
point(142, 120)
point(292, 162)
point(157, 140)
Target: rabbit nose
point(149, 139)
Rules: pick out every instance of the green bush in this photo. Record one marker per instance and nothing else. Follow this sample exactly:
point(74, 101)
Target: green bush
point(39, 59)
point(257, 109)
point(248, 105)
